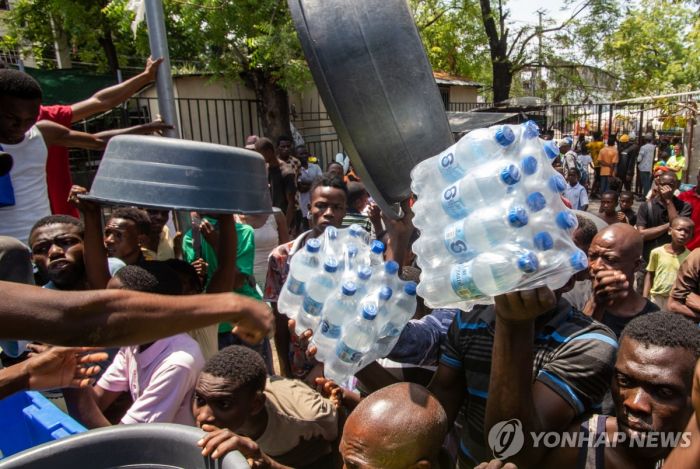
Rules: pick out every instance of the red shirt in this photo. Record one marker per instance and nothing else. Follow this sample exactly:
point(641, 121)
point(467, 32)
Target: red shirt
point(58, 178)
point(693, 199)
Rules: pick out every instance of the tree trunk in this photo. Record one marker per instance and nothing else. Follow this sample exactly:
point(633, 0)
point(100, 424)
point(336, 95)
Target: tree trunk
point(110, 50)
point(502, 79)
point(274, 104)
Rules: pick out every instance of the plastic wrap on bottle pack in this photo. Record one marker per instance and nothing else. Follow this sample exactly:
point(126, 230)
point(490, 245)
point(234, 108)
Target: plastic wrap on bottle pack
point(491, 218)
point(340, 287)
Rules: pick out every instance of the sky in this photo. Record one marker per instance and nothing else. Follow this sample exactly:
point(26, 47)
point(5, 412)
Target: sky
point(524, 11)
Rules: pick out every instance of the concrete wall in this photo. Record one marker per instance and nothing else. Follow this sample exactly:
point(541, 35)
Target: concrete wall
point(463, 94)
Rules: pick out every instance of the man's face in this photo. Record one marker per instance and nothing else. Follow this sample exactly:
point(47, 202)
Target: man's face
point(218, 402)
point(667, 180)
point(608, 204)
point(17, 116)
point(337, 169)
point(607, 252)
point(302, 154)
point(328, 207)
point(122, 238)
point(564, 147)
point(57, 251)
point(651, 389)
point(158, 220)
point(284, 149)
point(626, 202)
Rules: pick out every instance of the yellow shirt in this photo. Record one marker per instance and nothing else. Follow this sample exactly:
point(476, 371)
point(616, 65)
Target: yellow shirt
point(594, 148)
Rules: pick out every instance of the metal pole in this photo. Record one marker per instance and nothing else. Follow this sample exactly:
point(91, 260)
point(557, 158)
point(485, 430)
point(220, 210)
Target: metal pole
point(158, 40)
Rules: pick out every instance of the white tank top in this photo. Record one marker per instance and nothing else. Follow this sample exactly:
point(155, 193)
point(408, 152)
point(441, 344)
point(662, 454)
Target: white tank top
point(28, 176)
point(266, 239)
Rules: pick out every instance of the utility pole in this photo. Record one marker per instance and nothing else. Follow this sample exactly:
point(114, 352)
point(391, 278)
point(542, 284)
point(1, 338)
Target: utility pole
point(541, 12)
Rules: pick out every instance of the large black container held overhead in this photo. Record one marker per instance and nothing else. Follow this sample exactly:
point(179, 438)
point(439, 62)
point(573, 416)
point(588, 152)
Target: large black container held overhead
point(142, 446)
point(158, 172)
point(375, 80)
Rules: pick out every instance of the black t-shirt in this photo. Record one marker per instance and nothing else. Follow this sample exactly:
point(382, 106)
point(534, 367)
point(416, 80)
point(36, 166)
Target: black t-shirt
point(631, 216)
point(280, 185)
point(617, 323)
point(654, 213)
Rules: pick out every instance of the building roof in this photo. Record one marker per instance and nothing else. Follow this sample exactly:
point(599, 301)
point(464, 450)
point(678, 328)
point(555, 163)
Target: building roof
point(444, 78)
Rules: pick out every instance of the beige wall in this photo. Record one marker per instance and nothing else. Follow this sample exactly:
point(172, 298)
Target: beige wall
point(463, 94)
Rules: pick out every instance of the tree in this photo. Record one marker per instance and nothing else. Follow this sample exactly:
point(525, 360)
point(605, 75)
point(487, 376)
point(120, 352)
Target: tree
point(655, 49)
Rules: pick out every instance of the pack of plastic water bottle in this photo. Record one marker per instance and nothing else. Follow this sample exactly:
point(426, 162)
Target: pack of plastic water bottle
point(491, 218)
point(340, 287)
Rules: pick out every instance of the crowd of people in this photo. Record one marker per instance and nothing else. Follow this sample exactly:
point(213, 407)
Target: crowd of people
point(613, 352)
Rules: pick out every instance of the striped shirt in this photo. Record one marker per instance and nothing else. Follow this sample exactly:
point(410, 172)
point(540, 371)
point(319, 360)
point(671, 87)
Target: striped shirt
point(573, 355)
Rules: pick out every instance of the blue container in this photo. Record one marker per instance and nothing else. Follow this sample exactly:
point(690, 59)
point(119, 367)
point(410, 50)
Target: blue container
point(28, 419)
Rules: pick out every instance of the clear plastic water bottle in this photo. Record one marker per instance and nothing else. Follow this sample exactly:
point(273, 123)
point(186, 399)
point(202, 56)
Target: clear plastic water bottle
point(356, 236)
point(475, 148)
point(376, 252)
point(401, 309)
point(303, 267)
point(317, 291)
point(488, 227)
point(340, 309)
point(383, 296)
point(364, 273)
point(357, 340)
point(349, 263)
point(450, 286)
point(332, 242)
point(500, 272)
point(566, 262)
point(387, 275)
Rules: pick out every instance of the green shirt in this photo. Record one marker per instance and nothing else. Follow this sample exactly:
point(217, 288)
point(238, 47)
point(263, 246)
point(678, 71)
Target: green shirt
point(245, 255)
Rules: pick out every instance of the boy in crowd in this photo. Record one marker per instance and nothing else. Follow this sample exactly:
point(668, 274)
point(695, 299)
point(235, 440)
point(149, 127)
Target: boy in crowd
point(25, 191)
point(159, 375)
point(308, 173)
point(665, 261)
point(608, 209)
point(626, 203)
point(159, 246)
point(126, 230)
point(576, 193)
point(285, 419)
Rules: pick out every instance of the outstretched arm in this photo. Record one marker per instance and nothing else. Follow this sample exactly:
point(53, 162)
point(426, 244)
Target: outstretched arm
point(108, 98)
point(122, 317)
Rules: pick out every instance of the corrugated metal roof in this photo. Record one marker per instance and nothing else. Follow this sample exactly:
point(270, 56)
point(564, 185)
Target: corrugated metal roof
point(444, 78)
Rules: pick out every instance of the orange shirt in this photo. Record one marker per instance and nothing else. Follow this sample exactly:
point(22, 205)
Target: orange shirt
point(607, 155)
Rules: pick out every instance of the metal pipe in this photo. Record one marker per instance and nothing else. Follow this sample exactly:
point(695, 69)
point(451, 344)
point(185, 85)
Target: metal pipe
point(158, 40)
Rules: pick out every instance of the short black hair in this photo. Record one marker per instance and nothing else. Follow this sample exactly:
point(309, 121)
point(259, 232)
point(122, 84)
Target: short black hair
point(150, 277)
point(186, 272)
point(18, 84)
point(58, 220)
point(241, 365)
point(356, 190)
point(575, 171)
point(138, 216)
point(626, 194)
point(284, 138)
point(612, 193)
point(586, 229)
point(137, 278)
point(263, 144)
point(330, 180)
point(664, 330)
point(331, 163)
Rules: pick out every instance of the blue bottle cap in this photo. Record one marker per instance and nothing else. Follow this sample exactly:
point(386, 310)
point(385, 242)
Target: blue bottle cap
point(504, 136)
point(313, 245)
point(578, 260)
point(356, 230)
point(391, 267)
point(410, 288)
point(535, 201)
point(510, 174)
point(531, 129)
point(377, 247)
point(529, 165)
point(566, 220)
point(352, 251)
point(364, 272)
point(551, 149)
point(528, 262)
point(557, 183)
point(517, 217)
point(330, 265)
point(369, 311)
point(543, 241)
point(332, 232)
point(385, 293)
point(349, 288)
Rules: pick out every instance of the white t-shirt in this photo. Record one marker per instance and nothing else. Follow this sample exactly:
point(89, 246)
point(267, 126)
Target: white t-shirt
point(307, 175)
point(28, 176)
